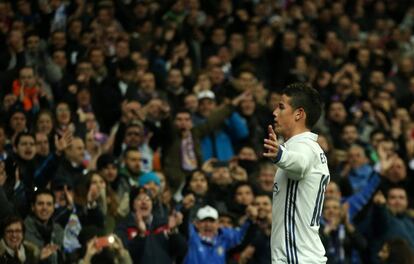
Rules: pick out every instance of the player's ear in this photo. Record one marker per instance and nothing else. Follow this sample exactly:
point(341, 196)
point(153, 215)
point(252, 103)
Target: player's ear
point(300, 114)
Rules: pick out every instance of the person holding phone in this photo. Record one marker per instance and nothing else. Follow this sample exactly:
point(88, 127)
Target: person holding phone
point(109, 249)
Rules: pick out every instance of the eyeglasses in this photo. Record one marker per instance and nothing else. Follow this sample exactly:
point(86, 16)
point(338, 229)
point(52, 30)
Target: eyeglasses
point(15, 231)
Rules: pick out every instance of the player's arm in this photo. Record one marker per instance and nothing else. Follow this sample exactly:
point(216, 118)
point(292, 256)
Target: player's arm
point(295, 161)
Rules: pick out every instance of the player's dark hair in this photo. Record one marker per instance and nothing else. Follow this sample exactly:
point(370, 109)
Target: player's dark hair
point(304, 96)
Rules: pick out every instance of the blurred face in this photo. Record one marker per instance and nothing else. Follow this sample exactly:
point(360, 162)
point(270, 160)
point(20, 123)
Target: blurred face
point(363, 57)
point(216, 75)
point(18, 122)
point(244, 195)
point(45, 124)
point(397, 172)
point(332, 191)
point(397, 200)
point(206, 106)
point(237, 42)
point(143, 204)
point(75, 152)
point(97, 58)
point(134, 136)
point(248, 106)
point(332, 209)
point(264, 206)
point(356, 157)
point(221, 176)
point(32, 43)
point(63, 114)
point(175, 79)
point(289, 41)
point(110, 172)
point(284, 116)
point(191, 103)
point(42, 144)
point(122, 49)
point(183, 122)
point(247, 153)
point(198, 183)
point(27, 77)
point(59, 40)
point(26, 148)
point(147, 83)
point(219, 36)
point(85, 69)
point(207, 227)
point(99, 182)
point(337, 112)
point(153, 188)
point(133, 161)
point(43, 207)
point(90, 122)
point(266, 178)
point(225, 221)
point(350, 134)
point(13, 235)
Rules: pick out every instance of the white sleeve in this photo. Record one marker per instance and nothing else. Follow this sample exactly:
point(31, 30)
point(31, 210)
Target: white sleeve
point(296, 161)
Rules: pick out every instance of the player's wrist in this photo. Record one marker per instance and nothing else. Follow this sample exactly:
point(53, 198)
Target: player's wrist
point(278, 156)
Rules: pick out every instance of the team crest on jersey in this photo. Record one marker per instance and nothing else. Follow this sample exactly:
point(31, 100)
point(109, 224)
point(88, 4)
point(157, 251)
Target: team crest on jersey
point(220, 251)
point(276, 188)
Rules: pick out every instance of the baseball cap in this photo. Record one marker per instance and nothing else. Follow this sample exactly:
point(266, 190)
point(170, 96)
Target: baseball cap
point(104, 160)
point(207, 212)
point(149, 177)
point(206, 95)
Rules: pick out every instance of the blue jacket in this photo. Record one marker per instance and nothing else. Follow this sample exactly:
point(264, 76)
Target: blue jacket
point(359, 177)
point(200, 251)
point(359, 200)
point(234, 128)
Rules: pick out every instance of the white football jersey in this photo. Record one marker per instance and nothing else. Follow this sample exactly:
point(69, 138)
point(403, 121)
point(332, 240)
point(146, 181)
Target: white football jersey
point(298, 196)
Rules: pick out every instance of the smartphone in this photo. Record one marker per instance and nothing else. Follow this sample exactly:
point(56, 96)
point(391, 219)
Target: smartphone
point(105, 241)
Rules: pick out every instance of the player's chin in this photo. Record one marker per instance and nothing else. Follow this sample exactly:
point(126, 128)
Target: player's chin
point(278, 129)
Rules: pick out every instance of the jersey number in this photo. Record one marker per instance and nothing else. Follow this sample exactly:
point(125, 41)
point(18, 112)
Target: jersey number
point(317, 211)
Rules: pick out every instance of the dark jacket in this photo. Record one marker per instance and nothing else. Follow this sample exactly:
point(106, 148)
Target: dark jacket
point(171, 146)
point(342, 239)
point(42, 234)
point(156, 247)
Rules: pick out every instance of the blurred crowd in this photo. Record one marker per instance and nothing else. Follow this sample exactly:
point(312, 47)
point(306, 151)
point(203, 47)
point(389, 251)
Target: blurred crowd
point(131, 131)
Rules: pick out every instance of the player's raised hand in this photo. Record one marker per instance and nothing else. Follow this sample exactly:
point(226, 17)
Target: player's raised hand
point(271, 144)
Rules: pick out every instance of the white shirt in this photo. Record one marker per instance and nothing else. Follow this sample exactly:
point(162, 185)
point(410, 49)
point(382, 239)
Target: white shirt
point(298, 196)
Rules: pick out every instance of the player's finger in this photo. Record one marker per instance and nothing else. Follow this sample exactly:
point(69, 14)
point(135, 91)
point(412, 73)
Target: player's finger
point(272, 133)
point(269, 155)
point(271, 130)
point(271, 142)
point(270, 148)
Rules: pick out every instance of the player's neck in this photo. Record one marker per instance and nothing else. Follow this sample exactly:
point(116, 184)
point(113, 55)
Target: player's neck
point(296, 131)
